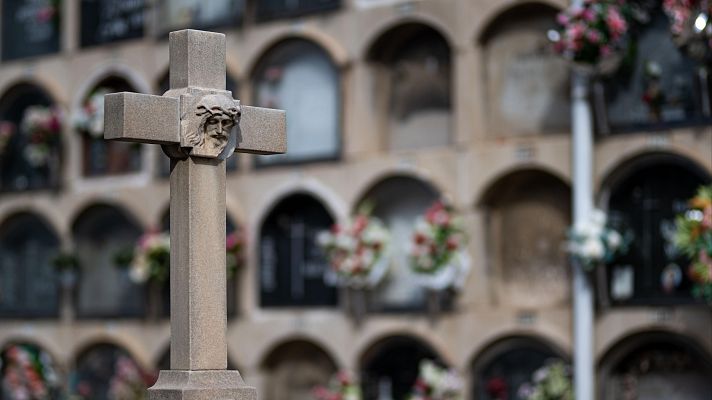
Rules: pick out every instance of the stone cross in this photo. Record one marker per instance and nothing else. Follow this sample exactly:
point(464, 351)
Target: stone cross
point(199, 125)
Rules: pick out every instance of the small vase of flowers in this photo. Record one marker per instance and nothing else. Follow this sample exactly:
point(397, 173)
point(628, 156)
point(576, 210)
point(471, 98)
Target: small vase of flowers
point(594, 242)
point(693, 237)
point(550, 382)
point(341, 387)
point(436, 383)
point(42, 126)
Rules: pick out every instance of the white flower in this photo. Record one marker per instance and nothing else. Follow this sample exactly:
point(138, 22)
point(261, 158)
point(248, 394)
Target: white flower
point(598, 218)
point(346, 242)
point(593, 249)
point(614, 240)
point(139, 271)
point(324, 238)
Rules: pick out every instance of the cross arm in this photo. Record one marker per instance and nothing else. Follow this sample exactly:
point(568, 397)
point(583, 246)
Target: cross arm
point(262, 131)
point(143, 118)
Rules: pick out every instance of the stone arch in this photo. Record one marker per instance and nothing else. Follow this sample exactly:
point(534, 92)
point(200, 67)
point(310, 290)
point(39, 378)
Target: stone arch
point(336, 52)
point(493, 179)
point(510, 359)
point(45, 82)
point(380, 177)
point(389, 365)
point(526, 204)
point(372, 40)
point(676, 366)
point(119, 71)
point(293, 367)
point(492, 14)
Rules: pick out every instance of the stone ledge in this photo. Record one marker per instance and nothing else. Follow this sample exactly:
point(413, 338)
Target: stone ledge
point(201, 385)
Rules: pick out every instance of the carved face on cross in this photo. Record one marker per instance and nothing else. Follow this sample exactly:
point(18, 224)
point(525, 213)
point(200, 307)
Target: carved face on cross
point(218, 115)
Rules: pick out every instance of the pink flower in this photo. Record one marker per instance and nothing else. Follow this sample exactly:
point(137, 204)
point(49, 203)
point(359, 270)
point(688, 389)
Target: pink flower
point(616, 22)
point(563, 19)
point(606, 51)
point(593, 36)
point(588, 15)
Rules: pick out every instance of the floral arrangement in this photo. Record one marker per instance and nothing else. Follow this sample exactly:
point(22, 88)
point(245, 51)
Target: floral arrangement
point(356, 251)
point(436, 383)
point(129, 382)
point(436, 250)
point(592, 32)
point(341, 387)
point(693, 236)
point(28, 374)
point(7, 130)
point(42, 126)
point(90, 118)
point(151, 258)
point(235, 248)
point(550, 382)
point(689, 25)
point(594, 242)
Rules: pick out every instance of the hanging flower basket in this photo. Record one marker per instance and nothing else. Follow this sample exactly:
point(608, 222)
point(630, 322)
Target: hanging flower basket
point(150, 259)
point(43, 128)
point(550, 382)
point(693, 237)
point(594, 242)
point(357, 252)
point(89, 120)
point(437, 250)
point(28, 373)
point(593, 35)
point(436, 383)
point(341, 387)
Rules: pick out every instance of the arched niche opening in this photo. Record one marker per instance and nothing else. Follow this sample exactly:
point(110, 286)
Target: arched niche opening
point(527, 214)
point(656, 366)
point(644, 196)
point(107, 371)
point(105, 290)
point(390, 366)
point(30, 139)
point(399, 201)
point(294, 368)
point(292, 265)
point(527, 86)
point(300, 77)
point(28, 372)
point(101, 157)
point(504, 366)
point(28, 282)
point(412, 85)
point(232, 278)
point(164, 163)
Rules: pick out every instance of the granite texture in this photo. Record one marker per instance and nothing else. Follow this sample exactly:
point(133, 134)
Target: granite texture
point(144, 118)
point(201, 385)
point(197, 58)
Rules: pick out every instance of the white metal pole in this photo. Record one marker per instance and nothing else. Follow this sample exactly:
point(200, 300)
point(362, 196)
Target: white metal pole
point(582, 165)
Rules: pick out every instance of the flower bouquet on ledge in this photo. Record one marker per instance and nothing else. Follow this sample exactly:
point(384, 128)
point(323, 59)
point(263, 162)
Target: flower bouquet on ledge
point(356, 251)
point(693, 236)
point(90, 117)
point(28, 374)
point(436, 383)
point(43, 127)
point(437, 250)
point(550, 382)
point(593, 35)
point(341, 387)
point(595, 242)
point(151, 258)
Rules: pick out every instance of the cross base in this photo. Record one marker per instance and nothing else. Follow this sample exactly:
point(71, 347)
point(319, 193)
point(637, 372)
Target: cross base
point(201, 385)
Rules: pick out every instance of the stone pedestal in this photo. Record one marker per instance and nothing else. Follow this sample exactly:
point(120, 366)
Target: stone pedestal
point(201, 385)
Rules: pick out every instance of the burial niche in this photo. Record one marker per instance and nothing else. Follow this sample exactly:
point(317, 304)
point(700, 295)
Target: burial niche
point(30, 139)
point(390, 367)
point(99, 156)
point(656, 366)
point(28, 282)
point(527, 86)
point(528, 214)
point(106, 371)
point(294, 368)
point(399, 201)
point(506, 365)
point(100, 233)
point(292, 265)
point(644, 202)
point(412, 83)
point(299, 77)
